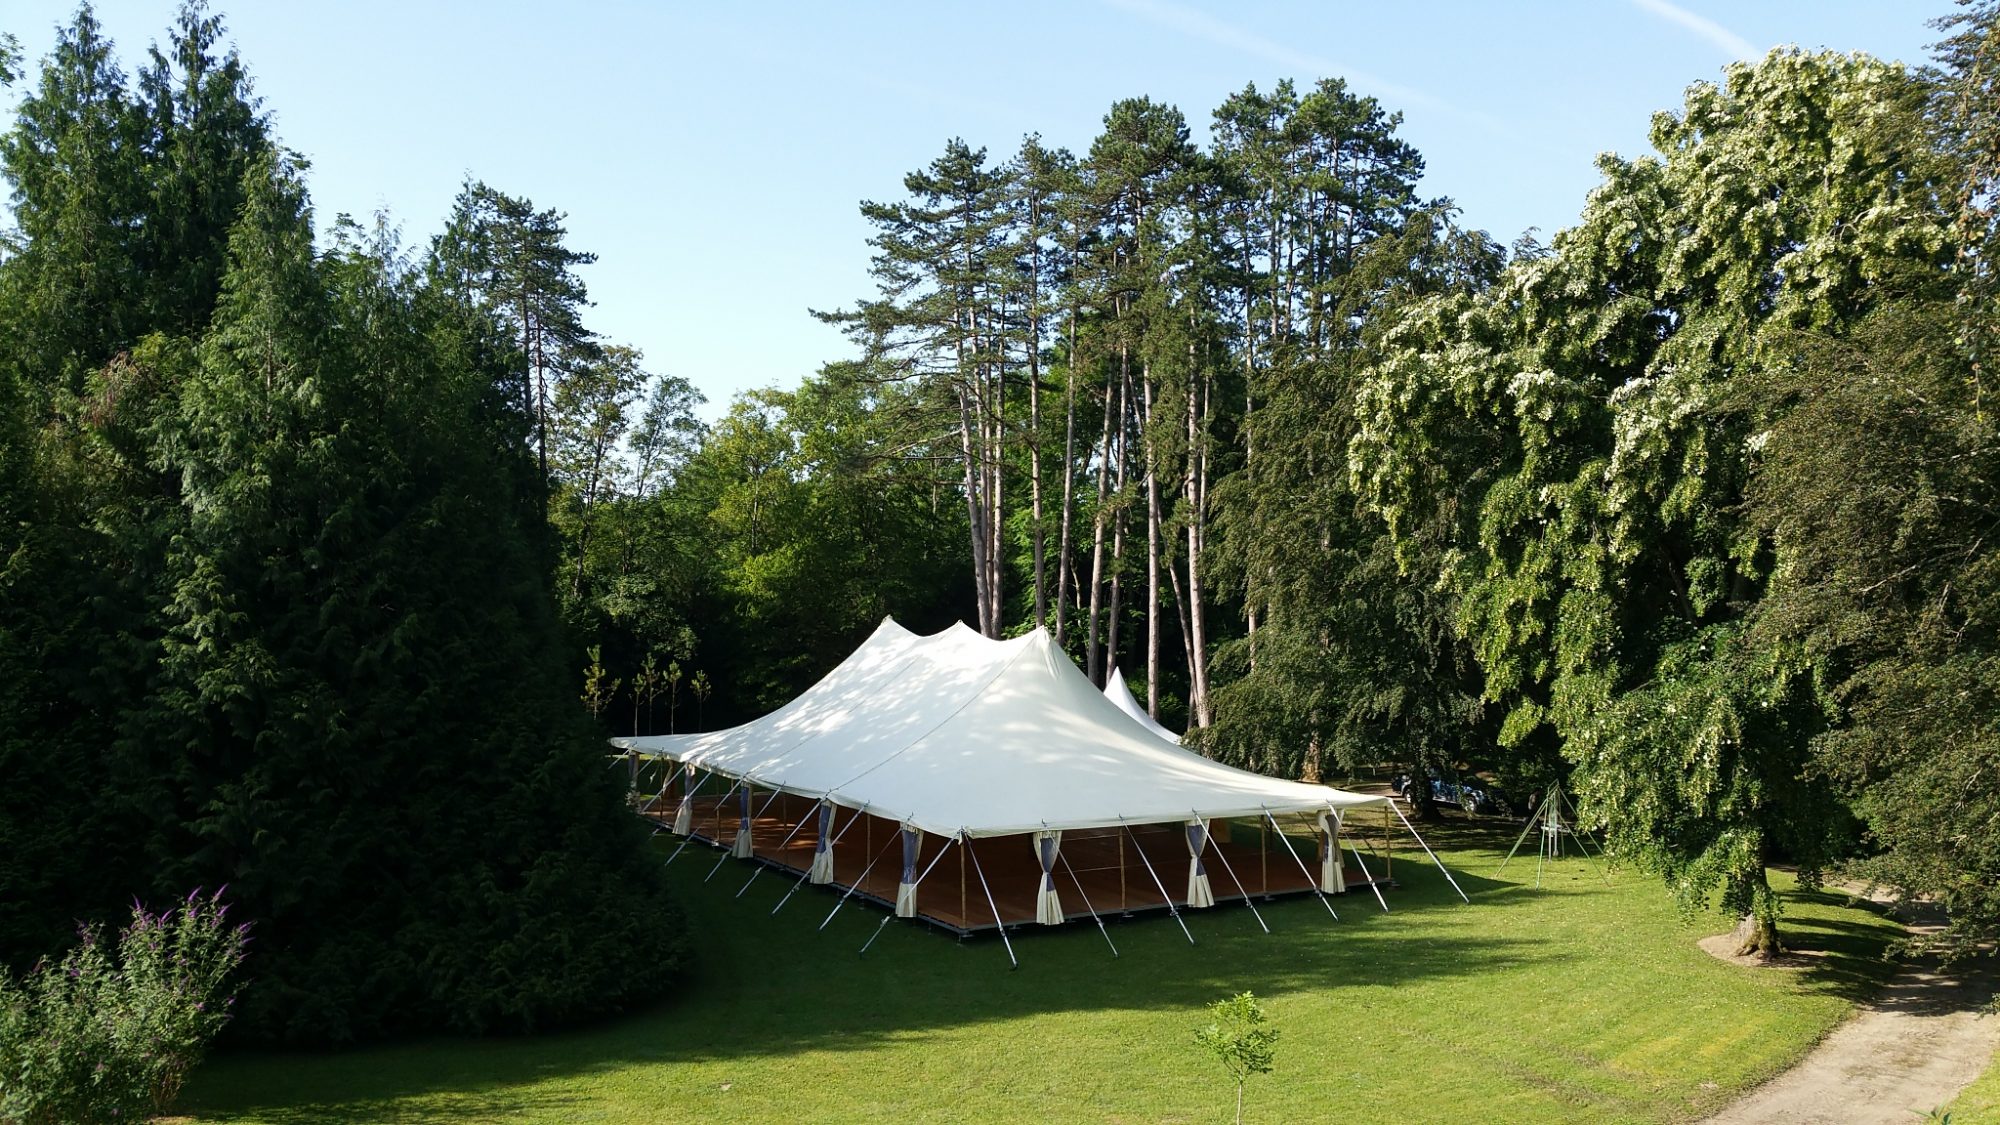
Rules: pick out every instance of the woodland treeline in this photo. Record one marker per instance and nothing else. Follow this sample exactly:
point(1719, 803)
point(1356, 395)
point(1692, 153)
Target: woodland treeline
point(277, 614)
point(1694, 505)
point(319, 554)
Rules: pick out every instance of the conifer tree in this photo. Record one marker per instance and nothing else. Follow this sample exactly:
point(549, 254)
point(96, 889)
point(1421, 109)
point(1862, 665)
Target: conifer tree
point(334, 709)
point(511, 260)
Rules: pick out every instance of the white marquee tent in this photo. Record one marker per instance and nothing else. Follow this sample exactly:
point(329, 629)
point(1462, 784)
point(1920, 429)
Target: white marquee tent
point(967, 738)
point(1116, 691)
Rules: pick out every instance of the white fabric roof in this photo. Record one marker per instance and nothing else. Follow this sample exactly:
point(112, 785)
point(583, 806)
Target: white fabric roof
point(1117, 692)
point(954, 732)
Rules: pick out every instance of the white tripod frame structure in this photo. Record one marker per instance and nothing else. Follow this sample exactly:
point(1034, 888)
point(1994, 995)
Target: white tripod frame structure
point(1549, 817)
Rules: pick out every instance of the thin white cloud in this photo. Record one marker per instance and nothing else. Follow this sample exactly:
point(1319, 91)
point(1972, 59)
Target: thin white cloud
point(1728, 42)
point(1303, 65)
point(1308, 67)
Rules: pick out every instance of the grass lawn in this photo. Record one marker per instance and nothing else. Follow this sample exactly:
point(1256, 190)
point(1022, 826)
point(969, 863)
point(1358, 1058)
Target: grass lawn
point(1979, 1103)
point(1580, 1001)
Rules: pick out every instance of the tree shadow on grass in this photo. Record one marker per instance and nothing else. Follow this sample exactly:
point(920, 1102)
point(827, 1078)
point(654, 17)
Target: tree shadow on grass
point(1846, 956)
point(765, 986)
point(773, 986)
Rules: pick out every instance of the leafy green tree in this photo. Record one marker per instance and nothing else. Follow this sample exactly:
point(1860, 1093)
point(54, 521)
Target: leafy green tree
point(275, 608)
point(1237, 1037)
point(1878, 485)
point(1137, 170)
point(1877, 488)
point(668, 433)
point(589, 418)
point(1580, 411)
point(822, 529)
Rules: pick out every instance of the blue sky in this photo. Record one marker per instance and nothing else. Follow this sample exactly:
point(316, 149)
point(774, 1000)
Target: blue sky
point(712, 155)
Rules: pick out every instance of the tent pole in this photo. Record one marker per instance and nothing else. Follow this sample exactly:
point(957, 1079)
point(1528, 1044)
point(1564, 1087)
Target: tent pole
point(781, 847)
point(691, 836)
point(963, 914)
point(688, 791)
point(1123, 906)
point(1362, 863)
point(1310, 880)
point(648, 806)
point(808, 874)
point(1217, 848)
point(857, 883)
point(1365, 874)
point(1264, 858)
point(1389, 842)
point(886, 918)
point(1086, 901)
point(1434, 858)
point(997, 923)
point(755, 817)
point(1140, 848)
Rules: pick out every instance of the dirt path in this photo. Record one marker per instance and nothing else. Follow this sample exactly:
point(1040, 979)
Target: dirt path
point(1909, 1051)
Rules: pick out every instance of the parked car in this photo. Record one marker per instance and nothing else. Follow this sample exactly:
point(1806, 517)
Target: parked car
point(1470, 797)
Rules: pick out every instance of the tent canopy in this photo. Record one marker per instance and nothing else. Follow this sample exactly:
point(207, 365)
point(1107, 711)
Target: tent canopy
point(1116, 690)
point(955, 733)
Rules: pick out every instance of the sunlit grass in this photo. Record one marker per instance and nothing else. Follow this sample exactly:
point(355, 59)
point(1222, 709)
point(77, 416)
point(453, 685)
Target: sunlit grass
point(1979, 1103)
point(1580, 1001)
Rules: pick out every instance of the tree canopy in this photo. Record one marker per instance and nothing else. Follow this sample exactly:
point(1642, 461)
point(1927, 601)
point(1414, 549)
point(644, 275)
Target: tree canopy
point(332, 560)
point(278, 608)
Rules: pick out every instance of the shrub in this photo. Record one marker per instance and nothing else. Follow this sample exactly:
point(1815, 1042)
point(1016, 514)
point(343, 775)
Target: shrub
point(104, 1038)
point(1236, 1035)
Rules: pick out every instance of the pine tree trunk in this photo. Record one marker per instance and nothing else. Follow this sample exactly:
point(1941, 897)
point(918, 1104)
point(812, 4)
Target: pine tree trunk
point(1187, 632)
point(1196, 489)
point(1094, 655)
point(1152, 545)
point(1032, 341)
point(1118, 518)
point(1068, 483)
point(541, 405)
point(975, 510)
point(996, 521)
point(585, 520)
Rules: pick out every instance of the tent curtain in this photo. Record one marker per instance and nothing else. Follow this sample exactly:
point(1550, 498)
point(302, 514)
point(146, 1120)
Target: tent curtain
point(741, 850)
point(684, 816)
point(822, 865)
point(1332, 879)
point(906, 887)
point(1048, 905)
point(1199, 892)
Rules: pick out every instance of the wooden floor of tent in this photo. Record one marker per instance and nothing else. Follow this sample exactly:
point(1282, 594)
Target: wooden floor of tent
point(1105, 870)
